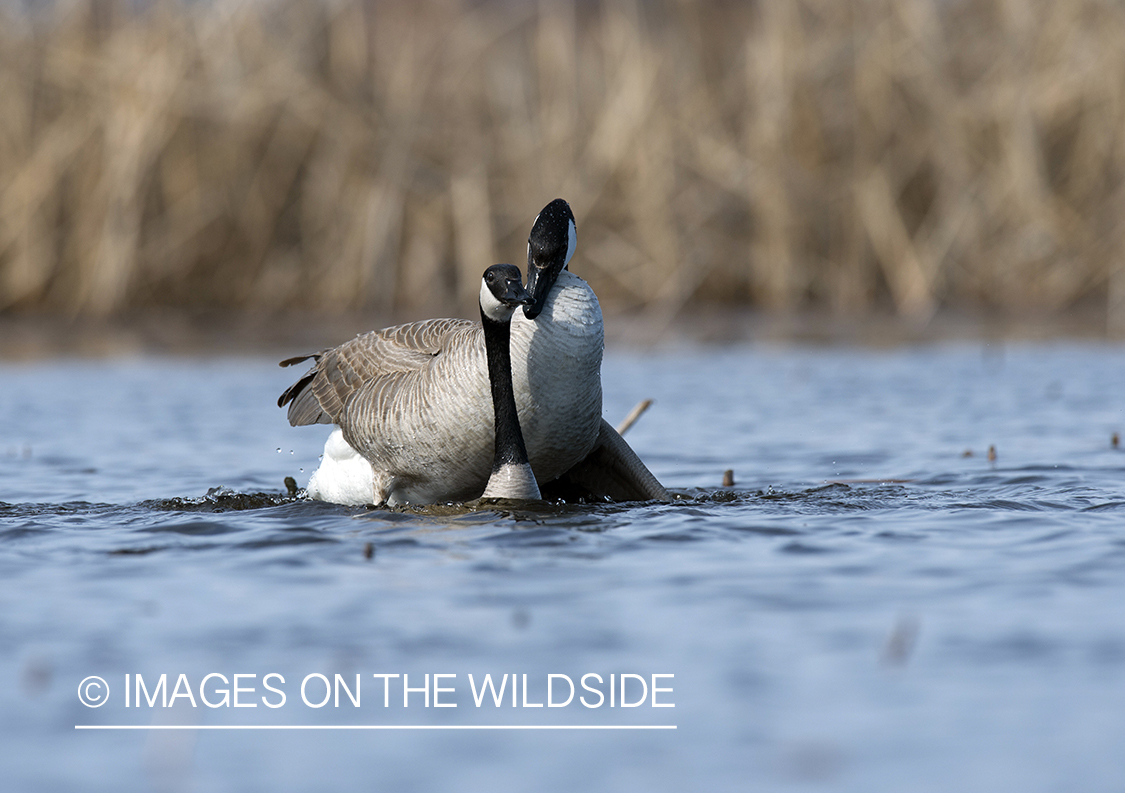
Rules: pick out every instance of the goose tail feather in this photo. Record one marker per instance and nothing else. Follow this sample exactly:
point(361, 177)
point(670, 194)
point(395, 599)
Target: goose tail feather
point(304, 406)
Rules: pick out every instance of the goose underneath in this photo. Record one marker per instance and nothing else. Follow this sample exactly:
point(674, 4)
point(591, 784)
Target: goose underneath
point(501, 292)
point(411, 408)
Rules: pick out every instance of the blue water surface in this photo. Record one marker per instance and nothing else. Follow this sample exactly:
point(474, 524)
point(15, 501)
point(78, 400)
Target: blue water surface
point(875, 605)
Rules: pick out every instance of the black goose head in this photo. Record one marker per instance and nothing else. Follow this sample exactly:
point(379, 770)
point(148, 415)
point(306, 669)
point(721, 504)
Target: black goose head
point(549, 248)
point(501, 291)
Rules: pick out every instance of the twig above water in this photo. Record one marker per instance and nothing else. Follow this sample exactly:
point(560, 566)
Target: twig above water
point(634, 414)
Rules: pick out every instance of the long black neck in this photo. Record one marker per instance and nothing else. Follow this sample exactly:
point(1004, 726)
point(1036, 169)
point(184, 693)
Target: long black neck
point(510, 449)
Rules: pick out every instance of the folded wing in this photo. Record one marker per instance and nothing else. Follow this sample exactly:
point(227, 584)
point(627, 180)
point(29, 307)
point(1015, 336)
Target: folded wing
point(377, 360)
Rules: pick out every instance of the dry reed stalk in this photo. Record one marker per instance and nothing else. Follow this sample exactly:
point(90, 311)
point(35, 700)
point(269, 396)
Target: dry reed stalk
point(348, 155)
point(634, 414)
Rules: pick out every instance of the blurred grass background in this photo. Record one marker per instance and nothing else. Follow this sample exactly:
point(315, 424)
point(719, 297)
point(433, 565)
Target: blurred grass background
point(894, 156)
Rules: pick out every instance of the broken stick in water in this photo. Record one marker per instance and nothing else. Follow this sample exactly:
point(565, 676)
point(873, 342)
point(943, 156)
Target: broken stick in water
point(635, 414)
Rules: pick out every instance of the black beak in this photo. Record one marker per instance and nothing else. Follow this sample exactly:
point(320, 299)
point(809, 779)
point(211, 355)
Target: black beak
point(539, 282)
point(515, 294)
point(547, 250)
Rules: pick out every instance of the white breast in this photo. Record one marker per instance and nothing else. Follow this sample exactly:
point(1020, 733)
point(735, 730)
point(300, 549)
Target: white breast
point(513, 481)
point(556, 373)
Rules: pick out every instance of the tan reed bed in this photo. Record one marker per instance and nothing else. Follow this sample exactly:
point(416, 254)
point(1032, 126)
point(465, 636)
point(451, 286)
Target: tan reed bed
point(347, 155)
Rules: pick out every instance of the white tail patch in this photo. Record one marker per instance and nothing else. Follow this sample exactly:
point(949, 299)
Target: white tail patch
point(344, 476)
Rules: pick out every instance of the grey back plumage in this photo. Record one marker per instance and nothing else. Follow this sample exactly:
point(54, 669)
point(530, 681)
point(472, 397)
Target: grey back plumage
point(373, 361)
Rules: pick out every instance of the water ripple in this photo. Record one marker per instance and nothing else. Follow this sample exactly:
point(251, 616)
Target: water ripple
point(778, 602)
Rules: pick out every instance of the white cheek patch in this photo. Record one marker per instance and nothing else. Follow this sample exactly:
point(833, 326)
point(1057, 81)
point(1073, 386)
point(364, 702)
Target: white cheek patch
point(571, 240)
point(493, 308)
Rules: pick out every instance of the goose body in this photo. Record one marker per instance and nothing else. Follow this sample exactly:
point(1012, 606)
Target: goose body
point(412, 406)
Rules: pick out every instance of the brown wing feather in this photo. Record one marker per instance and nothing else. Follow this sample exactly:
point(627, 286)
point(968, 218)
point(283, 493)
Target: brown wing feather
point(321, 393)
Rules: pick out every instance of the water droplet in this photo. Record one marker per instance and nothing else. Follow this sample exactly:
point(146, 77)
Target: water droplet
point(279, 450)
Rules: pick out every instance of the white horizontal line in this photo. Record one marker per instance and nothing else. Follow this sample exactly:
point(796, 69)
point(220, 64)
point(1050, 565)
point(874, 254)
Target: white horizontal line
point(374, 726)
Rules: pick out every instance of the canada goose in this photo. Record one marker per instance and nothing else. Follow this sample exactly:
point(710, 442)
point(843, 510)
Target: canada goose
point(411, 402)
point(501, 292)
